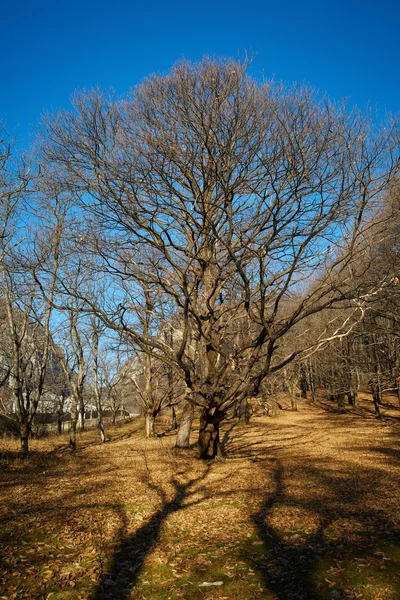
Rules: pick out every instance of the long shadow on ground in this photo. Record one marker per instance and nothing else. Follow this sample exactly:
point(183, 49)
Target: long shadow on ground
point(132, 550)
point(292, 565)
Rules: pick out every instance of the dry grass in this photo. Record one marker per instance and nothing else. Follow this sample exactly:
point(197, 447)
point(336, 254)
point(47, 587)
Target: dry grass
point(304, 506)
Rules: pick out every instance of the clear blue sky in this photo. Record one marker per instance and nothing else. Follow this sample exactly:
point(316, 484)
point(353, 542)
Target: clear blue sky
point(49, 49)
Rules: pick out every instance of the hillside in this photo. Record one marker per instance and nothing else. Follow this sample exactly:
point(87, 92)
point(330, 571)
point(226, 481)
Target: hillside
point(304, 506)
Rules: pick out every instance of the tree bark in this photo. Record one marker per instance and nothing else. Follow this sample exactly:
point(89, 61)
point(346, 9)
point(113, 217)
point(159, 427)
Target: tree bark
point(209, 445)
point(311, 381)
point(96, 386)
point(303, 387)
point(150, 424)
point(82, 415)
point(174, 422)
point(101, 427)
point(185, 426)
point(244, 411)
point(376, 399)
point(74, 420)
point(340, 401)
point(24, 428)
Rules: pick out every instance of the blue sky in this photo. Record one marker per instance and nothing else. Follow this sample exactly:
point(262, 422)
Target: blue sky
point(49, 49)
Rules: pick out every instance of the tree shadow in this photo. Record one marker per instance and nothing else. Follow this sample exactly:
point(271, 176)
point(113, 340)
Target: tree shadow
point(362, 410)
point(228, 438)
point(344, 532)
point(131, 552)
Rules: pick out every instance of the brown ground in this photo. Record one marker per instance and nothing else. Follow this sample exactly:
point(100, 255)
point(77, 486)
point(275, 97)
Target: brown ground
point(306, 506)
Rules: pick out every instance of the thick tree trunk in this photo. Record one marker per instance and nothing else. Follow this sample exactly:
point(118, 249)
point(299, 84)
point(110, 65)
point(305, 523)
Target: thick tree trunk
point(209, 445)
point(185, 426)
point(244, 411)
point(150, 424)
point(24, 429)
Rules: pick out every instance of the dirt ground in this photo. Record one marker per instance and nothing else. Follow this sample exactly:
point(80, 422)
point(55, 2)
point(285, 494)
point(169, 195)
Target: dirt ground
point(305, 506)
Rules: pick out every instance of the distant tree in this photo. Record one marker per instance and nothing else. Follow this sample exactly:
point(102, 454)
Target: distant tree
point(27, 250)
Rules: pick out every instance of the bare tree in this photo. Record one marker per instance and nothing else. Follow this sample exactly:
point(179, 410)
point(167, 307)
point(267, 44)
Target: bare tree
point(237, 199)
point(25, 254)
point(98, 386)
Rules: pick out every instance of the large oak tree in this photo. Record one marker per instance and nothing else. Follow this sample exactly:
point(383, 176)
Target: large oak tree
point(226, 197)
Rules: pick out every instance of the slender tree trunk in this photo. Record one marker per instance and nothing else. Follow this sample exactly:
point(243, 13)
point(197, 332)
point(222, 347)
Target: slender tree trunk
point(209, 445)
point(150, 424)
point(354, 389)
point(340, 401)
point(24, 429)
point(244, 411)
point(82, 415)
point(96, 385)
point(311, 381)
point(303, 387)
point(273, 406)
point(378, 371)
point(101, 427)
point(74, 420)
point(376, 399)
point(185, 426)
point(174, 422)
point(293, 395)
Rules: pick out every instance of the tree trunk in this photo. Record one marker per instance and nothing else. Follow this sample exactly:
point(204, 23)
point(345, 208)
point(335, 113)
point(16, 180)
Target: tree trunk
point(174, 423)
point(101, 427)
point(208, 445)
point(74, 420)
point(244, 411)
point(82, 415)
point(150, 424)
point(354, 397)
point(376, 399)
point(311, 382)
point(185, 426)
point(303, 387)
point(340, 401)
point(24, 429)
point(59, 424)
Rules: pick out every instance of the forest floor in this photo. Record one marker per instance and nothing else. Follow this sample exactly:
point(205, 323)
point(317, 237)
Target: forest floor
point(305, 506)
